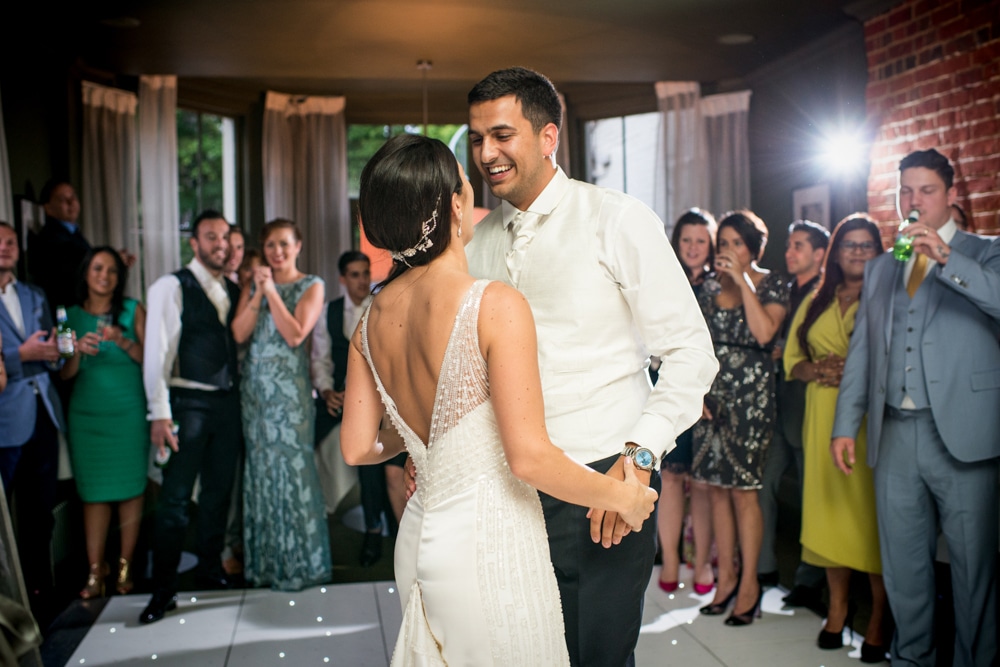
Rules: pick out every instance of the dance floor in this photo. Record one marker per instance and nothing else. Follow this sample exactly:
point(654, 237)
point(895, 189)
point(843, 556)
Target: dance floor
point(355, 624)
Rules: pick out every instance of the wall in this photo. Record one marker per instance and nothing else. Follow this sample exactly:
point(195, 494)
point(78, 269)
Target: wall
point(796, 102)
point(934, 82)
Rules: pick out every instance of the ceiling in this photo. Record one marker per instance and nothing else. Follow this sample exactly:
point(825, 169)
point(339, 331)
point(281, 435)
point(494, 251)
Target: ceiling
point(368, 49)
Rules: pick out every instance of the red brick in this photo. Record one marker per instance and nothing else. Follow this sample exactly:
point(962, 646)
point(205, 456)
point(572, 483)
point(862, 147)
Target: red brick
point(901, 82)
point(876, 25)
point(900, 49)
point(956, 99)
point(900, 16)
point(924, 7)
point(955, 135)
point(979, 111)
point(952, 29)
point(969, 77)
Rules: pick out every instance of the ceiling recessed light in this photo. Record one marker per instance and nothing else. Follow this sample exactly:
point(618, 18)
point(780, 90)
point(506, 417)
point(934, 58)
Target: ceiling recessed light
point(735, 39)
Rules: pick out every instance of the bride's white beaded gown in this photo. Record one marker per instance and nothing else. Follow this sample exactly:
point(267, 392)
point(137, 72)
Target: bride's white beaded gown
point(472, 559)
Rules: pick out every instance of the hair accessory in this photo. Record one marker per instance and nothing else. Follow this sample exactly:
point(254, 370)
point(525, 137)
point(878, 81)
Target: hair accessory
point(426, 228)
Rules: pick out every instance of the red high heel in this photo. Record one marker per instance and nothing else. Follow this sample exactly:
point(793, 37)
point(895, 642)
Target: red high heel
point(668, 586)
point(703, 589)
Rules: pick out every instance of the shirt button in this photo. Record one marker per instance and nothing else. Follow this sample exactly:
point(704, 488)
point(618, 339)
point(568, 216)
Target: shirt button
point(909, 368)
point(909, 349)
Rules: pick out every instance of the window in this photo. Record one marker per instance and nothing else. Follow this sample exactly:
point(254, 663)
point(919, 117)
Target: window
point(621, 154)
point(206, 168)
point(364, 140)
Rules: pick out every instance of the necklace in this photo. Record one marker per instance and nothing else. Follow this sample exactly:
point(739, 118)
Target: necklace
point(847, 298)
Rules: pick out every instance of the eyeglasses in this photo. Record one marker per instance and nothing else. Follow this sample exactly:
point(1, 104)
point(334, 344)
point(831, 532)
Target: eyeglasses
point(851, 246)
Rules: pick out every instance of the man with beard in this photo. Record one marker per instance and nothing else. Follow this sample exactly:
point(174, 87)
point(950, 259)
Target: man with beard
point(190, 376)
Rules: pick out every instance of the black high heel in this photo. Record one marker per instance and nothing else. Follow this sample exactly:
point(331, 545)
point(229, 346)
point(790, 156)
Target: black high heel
point(747, 618)
point(873, 653)
point(833, 640)
point(719, 608)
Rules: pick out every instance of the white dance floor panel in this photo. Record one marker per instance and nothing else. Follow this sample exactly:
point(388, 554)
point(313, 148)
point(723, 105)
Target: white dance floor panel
point(356, 625)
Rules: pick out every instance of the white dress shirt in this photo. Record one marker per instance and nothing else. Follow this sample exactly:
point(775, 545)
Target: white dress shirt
point(606, 291)
point(12, 302)
point(320, 361)
point(163, 334)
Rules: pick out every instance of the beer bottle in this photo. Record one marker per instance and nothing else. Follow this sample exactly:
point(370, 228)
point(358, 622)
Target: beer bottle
point(64, 335)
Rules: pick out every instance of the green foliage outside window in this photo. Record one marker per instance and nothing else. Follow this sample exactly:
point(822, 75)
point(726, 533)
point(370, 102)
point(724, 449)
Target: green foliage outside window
point(199, 166)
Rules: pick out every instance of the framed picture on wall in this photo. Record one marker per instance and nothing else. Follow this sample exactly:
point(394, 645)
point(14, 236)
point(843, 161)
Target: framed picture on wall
point(812, 203)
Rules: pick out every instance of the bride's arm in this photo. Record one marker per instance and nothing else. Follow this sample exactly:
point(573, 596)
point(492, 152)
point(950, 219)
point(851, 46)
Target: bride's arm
point(361, 441)
point(507, 336)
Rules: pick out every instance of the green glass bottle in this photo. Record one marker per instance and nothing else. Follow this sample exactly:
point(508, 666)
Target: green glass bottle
point(902, 249)
point(64, 335)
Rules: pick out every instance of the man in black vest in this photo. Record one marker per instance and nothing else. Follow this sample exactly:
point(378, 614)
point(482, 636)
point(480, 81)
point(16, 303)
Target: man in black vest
point(190, 376)
point(331, 341)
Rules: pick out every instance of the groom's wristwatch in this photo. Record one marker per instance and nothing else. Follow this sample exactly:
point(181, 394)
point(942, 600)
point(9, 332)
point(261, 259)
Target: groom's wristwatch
point(641, 457)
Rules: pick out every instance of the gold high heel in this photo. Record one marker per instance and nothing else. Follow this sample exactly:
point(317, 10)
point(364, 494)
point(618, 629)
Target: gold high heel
point(124, 586)
point(95, 581)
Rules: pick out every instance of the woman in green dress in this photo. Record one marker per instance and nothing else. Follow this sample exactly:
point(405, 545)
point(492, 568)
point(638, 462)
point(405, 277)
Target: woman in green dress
point(285, 537)
point(108, 432)
point(839, 529)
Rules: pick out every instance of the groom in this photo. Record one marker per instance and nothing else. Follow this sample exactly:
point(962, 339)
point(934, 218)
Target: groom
point(606, 292)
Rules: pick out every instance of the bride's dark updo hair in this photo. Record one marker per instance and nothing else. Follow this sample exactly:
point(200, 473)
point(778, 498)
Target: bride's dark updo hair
point(409, 179)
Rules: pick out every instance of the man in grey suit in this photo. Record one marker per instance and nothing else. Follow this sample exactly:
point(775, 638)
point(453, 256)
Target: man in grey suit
point(924, 363)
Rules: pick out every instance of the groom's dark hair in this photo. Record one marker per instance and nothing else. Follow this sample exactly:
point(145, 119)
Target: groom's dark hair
point(930, 159)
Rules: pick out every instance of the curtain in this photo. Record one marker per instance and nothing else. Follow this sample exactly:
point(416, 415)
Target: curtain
point(109, 196)
point(681, 167)
point(728, 150)
point(6, 192)
point(158, 176)
point(305, 176)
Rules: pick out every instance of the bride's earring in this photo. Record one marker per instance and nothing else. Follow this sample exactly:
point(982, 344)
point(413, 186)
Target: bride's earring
point(459, 225)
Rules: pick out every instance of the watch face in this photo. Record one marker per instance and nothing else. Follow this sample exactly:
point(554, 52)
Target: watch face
point(644, 458)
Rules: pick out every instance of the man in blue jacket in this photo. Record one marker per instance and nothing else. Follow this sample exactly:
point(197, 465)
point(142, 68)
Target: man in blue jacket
point(30, 419)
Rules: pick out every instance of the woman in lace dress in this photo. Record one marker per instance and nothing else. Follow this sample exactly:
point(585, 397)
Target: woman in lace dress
point(285, 537)
point(744, 309)
point(453, 364)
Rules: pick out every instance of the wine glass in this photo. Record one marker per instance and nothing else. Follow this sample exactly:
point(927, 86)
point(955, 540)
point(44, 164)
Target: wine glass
point(103, 324)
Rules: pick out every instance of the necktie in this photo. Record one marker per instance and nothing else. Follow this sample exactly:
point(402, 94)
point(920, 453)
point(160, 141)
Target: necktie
point(917, 274)
point(523, 227)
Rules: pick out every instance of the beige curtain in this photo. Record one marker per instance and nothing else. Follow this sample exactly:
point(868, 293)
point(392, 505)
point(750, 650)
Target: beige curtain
point(109, 196)
point(728, 149)
point(161, 252)
point(681, 167)
point(305, 176)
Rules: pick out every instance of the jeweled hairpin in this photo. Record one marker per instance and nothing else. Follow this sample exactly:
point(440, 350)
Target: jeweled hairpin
point(427, 227)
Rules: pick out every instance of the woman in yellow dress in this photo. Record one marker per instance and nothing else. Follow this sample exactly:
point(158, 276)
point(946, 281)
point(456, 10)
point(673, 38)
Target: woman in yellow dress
point(839, 528)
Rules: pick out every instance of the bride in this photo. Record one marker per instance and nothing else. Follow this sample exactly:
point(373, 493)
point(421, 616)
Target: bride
point(452, 362)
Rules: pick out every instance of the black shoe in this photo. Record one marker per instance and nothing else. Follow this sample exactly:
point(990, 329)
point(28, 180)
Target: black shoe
point(873, 653)
point(371, 549)
point(720, 608)
point(807, 597)
point(746, 618)
point(768, 579)
point(834, 640)
point(158, 606)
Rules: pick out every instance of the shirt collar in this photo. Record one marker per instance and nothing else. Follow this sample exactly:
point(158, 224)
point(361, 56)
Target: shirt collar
point(72, 227)
point(947, 231)
point(13, 281)
point(544, 203)
point(203, 275)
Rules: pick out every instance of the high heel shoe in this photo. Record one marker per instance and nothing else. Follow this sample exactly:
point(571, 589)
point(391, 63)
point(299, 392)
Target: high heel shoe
point(668, 586)
point(872, 653)
point(747, 617)
point(720, 608)
point(704, 589)
point(94, 588)
point(833, 640)
point(124, 585)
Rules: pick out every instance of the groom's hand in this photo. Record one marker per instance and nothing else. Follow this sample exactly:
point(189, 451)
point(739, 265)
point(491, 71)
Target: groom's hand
point(607, 527)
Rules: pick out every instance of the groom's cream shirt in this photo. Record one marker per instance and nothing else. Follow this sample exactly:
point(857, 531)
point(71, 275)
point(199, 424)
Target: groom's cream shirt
point(606, 292)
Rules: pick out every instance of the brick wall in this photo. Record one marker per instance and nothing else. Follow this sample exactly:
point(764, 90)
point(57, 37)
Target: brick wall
point(934, 82)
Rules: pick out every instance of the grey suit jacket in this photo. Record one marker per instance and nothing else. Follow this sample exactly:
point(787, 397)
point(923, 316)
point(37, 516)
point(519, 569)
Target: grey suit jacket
point(958, 345)
point(17, 402)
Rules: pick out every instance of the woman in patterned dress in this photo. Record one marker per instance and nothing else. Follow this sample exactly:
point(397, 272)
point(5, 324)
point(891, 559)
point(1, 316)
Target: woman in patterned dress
point(744, 310)
point(285, 537)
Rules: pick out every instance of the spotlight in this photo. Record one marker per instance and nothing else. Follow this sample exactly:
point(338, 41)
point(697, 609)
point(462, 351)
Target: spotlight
point(843, 153)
